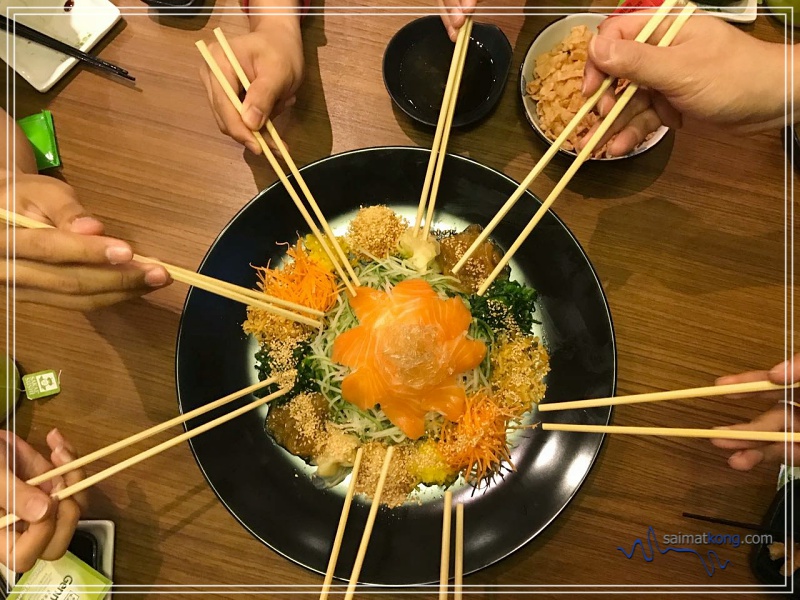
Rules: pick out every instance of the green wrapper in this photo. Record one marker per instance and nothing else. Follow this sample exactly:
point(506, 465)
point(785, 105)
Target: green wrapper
point(41, 132)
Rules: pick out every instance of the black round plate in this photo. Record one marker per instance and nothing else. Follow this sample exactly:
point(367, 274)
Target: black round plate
point(417, 61)
point(266, 489)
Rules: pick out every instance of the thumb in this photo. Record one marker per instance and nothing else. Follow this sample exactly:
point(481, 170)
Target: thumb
point(641, 63)
point(258, 103)
point(29, 503)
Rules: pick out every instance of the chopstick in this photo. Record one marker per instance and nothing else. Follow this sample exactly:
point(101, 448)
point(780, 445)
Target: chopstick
point(237, 67)
point(444, 566)
point(751, 526)
point(725, 434)
point(712, 390)
point(43, 39)
point(373, 512)
point(143, 435)
point(605, 125)
point(237, 103)
point(337, 542)
point(459, 568)
point(442, 135)
point(659, 15)
point(71, 490)
point(221, 288)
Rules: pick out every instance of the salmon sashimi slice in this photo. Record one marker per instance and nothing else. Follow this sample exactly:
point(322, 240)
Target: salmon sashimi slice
point(407, 353)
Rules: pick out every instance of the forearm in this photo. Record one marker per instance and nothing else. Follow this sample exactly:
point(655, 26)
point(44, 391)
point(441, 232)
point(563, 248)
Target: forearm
point(265, 20)
point(25, 159)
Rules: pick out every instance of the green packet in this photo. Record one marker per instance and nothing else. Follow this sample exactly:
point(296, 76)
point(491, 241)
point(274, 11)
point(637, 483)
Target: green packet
point(41, 132)
point(68, 578)
point(787, 474)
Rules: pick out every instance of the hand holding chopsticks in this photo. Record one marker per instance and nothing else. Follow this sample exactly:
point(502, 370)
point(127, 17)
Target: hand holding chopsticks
point(606, 124)
point(728, 434)
point(335, 255)
point(284, 308)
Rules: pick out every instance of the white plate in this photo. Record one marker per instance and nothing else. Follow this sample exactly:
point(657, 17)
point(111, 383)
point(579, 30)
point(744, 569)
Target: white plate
point(548, 39)
point(82, 27)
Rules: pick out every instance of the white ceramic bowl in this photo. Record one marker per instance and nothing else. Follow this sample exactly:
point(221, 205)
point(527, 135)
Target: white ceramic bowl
point(546, 40)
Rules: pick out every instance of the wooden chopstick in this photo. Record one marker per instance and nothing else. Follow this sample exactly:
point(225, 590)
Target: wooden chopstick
point(712, 390)
point(245, 81)
point(337, 541)
point(605, 125)
point(143, 435)
point(234, 99)
point(459, 567)
point(373, 512)
point(444, 565)
point(209, 284)
point(725, 434)
point(442, 127)
point(71, 490)
point(649, 28)
point(199, 280)
point(451, 109)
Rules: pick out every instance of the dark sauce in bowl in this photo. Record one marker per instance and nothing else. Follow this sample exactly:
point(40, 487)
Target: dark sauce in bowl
point(423, 76)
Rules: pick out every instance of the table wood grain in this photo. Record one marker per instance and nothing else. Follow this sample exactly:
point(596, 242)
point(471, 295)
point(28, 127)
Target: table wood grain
point(688, 240)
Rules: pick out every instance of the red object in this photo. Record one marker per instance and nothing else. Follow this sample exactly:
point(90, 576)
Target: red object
point(632, 5)
point(306, 6)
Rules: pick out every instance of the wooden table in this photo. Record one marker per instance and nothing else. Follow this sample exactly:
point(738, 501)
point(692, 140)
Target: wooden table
point(688, 240)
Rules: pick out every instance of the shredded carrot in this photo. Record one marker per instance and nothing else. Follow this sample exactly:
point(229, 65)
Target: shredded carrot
point(303, 280)
point(477, 441)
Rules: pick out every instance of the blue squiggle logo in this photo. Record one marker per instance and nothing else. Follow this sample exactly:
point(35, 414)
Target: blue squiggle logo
point(709, 567)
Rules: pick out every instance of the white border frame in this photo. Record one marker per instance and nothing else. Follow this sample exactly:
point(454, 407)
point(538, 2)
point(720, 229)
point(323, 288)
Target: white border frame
point(500, 589)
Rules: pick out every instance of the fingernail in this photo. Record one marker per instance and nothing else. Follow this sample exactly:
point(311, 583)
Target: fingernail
point(780, 370)
point(583, 88)
point(119, 253)
point(253, 147)
point(58, 439)
point(601, 49)
point(60, 485)
point(85, 224)
point(451, 33)
point(254, 118)
point(37, 507)
point(155, 277)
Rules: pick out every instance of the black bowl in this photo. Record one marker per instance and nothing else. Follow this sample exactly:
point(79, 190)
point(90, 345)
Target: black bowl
point(417, 61)
point(271, 493)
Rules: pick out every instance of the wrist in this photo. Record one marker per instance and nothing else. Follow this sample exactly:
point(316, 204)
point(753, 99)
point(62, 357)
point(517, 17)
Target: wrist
point(283, 19)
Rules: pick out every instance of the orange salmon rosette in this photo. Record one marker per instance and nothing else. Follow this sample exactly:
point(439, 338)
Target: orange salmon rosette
point(406, 354)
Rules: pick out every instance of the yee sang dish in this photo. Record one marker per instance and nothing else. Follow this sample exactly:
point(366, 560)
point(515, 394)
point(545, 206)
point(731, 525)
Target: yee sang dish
point(415, 359)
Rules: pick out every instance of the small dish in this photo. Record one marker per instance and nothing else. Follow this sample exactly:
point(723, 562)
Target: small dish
point(547, 39)
point(79, 23)
point(417, 61)
point(738, 11)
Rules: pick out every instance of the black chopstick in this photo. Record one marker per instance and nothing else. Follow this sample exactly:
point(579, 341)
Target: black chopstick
point(739, 524)
point(59, 46)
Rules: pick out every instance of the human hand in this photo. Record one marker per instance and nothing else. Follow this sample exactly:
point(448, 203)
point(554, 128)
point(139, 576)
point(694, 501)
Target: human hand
point(711, 72)
point(74, 265)
point(454, 13)
point(272, 57)
point(749, 454)
point(49, 524)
